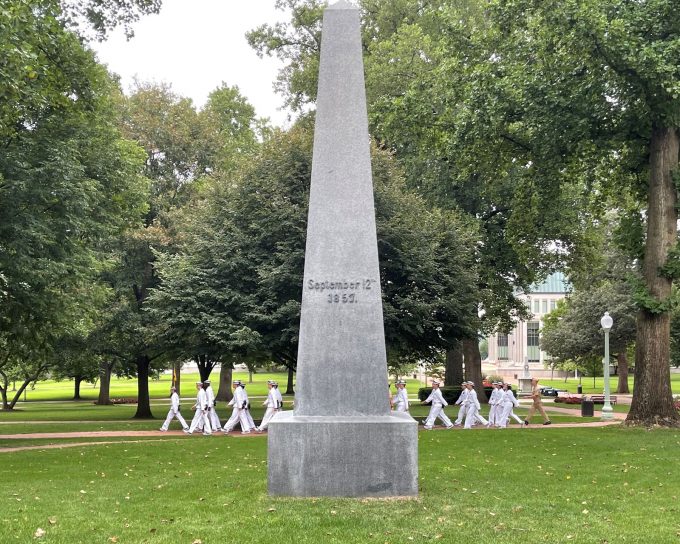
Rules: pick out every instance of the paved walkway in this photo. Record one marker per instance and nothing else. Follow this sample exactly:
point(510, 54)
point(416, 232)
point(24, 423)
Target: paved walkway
point(158, 434)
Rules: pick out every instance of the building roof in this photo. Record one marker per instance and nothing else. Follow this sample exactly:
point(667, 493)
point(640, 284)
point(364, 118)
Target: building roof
point(554, 283)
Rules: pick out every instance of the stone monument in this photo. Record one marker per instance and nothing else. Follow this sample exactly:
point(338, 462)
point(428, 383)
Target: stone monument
point(341, 439)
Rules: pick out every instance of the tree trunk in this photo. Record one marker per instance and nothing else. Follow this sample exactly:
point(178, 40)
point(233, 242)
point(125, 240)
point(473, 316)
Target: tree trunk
point(105, 383)
point(76, 388)
point(224, 392)
point(17, 395)
point(652, 397)
point(3, 390)
point(289, 385)
point(453, 373)
point(622, 369)
point(177, 378)
point(473, 367)
point(205, 366)
point(143, 405)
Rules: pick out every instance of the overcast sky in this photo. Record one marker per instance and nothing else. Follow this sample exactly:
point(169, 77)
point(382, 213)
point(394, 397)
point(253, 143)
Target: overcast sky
point(195, 45)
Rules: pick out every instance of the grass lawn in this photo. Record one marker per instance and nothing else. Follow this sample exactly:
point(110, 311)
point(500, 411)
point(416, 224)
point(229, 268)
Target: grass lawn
point(587, 383)
point(516, 486)
point(160, 388)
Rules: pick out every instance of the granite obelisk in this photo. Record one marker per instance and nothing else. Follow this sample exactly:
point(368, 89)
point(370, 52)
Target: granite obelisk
point(342, 439)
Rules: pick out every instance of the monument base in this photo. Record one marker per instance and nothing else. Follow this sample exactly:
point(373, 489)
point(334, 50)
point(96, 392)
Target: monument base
point(314, 456)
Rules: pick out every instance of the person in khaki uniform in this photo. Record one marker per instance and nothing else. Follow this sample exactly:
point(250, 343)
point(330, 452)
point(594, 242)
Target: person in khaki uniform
point(537, 404)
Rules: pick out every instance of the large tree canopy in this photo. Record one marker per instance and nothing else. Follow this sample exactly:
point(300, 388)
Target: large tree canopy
point(235, 287)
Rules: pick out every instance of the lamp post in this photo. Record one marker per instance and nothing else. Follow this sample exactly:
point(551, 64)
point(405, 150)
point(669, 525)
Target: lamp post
point(606, 322)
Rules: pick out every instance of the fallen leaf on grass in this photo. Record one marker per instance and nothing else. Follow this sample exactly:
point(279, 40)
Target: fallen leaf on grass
point(52, 520)
point(271, 510)
point(197, 541)
point(113, 539)
point(39, 533)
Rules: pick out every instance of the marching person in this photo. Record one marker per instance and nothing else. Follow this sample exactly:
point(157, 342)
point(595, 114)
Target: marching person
point(237, 415)
point(437, 409)
point(201, 412)
point(495, 408)
point(463, 405)
point(400, 398)
point(249, 417)
point(537, 404)
point(174, 411)
point(508, 402)
point(277, 394)
point(212, 406)
point(472, 414)
point(272, 405)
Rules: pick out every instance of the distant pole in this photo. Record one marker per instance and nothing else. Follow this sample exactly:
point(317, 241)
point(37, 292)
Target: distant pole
point(606, 322)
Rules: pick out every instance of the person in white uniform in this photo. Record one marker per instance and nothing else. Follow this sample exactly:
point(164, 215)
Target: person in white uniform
point(272, 405)
point(212, 406)
point(400, 398)
point(238, 403)
point(495, 408)
point(509, 401)
point(201, 412)
point(174, 411)
point(437, 409)
point(279, 397)
point(463, 405)
point(472, 414)
point(249, 417)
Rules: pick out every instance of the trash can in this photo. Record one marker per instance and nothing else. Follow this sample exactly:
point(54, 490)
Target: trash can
point(579, 389)
point(587, 407)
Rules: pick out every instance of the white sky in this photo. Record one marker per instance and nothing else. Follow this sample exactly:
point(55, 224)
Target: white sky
point(195, 45)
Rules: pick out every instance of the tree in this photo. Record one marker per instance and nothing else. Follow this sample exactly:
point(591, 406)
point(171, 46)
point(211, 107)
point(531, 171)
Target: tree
point(68, 183)
point(573, 332)
point(416, 55)
point(236, 284)
point(591, 88)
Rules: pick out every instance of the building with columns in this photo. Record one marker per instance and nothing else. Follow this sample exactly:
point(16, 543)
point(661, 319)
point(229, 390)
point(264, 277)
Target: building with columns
point(507, 352)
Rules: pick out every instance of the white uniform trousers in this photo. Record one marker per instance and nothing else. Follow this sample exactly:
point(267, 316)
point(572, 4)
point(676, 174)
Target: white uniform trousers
point(495, 411)
point(237, 416)
point(268, 415)
point(507, 414)
point(214, 419)
point(171, 415)
point(200, 420)
point(472, 415)
point(461, 414)
point(437, 411)
point(249, 419)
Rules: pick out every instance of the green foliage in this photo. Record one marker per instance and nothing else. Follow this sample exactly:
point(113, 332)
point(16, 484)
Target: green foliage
point(69, 184)
point(235, 286)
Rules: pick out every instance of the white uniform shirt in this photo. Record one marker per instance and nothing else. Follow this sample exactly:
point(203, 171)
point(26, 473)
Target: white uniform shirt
point(271, 399)
point(201, 400)
point(496, 396)
point(473, 399)
point(462, 398)
point(509, 398)
point(400, 400)
point(436, 398)
point(278, 397)
point(210, 396)
point(244, 398)
point(174, 402)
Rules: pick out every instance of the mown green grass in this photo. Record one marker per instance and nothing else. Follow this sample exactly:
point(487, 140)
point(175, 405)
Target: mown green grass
point(545, 485)
point(571, 384)
point(158, 388)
